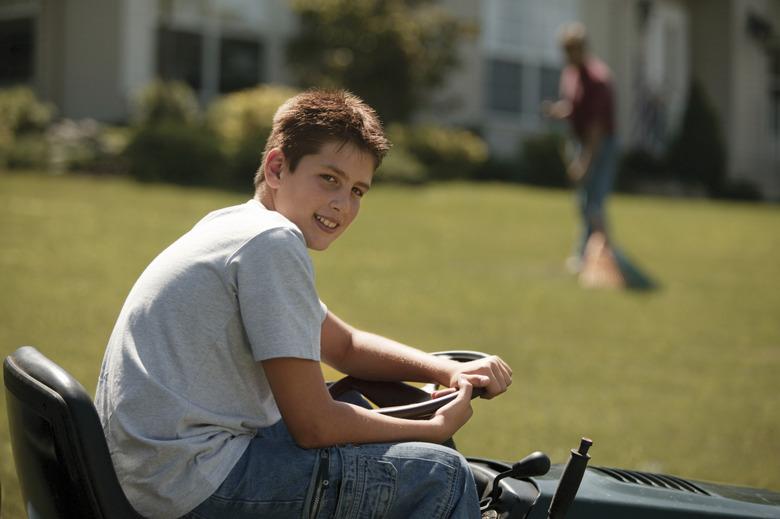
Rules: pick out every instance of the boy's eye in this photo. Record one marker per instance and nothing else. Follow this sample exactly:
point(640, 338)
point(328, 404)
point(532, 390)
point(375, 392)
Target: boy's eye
point(328, 178)
point(358, 192)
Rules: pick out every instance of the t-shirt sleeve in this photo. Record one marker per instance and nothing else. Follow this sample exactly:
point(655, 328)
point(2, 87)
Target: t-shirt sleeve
point(274, 285)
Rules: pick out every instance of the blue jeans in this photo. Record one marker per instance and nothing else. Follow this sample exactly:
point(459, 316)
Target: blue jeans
point(276, 478)
point(592, 192)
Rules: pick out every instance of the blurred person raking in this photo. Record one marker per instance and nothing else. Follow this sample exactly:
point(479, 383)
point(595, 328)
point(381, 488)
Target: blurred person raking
point(587, 101)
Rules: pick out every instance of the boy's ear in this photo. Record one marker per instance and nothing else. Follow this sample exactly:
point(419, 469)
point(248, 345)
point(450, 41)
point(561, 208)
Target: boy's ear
point(273, 167)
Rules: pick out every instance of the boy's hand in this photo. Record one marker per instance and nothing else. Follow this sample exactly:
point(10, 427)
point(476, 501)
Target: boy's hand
point(454, 415)
point(492, 373)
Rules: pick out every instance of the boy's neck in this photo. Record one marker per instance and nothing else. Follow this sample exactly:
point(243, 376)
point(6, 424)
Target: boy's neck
point(264, 197)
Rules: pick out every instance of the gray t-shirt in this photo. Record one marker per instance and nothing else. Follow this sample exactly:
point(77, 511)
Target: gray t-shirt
point(181, 391)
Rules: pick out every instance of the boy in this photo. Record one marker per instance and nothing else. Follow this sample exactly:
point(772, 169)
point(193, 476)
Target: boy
point(211, 394)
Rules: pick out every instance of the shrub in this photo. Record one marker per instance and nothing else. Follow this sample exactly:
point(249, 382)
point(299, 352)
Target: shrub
point(242, 163)
point(242, 121)
point(166, 102)
point(638, 166)
point(542, 160)
point(399, 166)
point(22, 113)
point(236, 116)
point(502, 169)
point(697, 155)
point(25, 152)
point(23, 118)
point(446, 153)
point(741, 189)
point(6, 144)
point(177, 153)
point(170, 142)
point(85, 145)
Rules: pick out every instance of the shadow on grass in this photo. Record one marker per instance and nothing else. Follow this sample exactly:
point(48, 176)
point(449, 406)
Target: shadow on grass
point(634, 277)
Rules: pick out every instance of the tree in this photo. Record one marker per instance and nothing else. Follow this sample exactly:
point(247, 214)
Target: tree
point(392, 53)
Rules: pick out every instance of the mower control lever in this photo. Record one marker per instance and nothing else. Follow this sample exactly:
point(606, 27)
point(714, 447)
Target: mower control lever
point(570, 481)
point(535, 464)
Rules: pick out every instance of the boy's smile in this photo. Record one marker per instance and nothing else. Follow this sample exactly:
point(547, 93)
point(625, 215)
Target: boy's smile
point(322, 196)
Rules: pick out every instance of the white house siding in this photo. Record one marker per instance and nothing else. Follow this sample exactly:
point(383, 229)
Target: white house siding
point(751, 138)
point(49, 67)
point(734, 69)
point(138, 40)
point(89, 54)
point(92, 58)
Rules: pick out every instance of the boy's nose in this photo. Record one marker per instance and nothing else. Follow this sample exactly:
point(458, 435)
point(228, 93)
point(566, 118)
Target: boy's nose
point(338, 202)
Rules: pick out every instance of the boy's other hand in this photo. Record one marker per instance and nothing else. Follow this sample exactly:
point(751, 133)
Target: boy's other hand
point(442, 392)
point(491, 373)
point(454, 415)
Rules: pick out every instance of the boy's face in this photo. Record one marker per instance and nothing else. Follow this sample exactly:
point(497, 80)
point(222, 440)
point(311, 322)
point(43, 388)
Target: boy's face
point(322, 196)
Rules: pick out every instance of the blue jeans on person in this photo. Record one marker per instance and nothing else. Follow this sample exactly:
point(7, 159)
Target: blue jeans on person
point(593, 191)
point(276, 478)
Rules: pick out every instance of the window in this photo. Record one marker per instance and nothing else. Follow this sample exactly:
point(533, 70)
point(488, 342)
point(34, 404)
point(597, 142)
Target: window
point(179, 56)
point(504, 86)
point(16, 50)
point(239, 64)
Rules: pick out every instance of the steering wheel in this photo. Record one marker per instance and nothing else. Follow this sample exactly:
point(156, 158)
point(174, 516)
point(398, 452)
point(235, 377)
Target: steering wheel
point(404, 400)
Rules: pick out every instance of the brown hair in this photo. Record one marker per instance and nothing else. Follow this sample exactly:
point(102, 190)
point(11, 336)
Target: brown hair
point(307, 121)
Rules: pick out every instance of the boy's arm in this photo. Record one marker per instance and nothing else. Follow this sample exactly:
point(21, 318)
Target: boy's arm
point(315, 420)
point(372, 357)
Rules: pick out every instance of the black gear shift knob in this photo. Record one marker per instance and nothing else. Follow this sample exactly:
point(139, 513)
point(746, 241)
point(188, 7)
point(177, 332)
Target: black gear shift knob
point(535, 464)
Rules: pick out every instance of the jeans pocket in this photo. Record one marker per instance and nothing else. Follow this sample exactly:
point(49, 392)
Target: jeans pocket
point(372, 491)
point(319, 483)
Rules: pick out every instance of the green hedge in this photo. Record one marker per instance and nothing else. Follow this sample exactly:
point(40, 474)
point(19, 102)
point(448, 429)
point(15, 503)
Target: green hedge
point(401, 167)
point(445, 153)
point(697, 154)
point(166, 102)
point(21, 112)
point(23, 121)
point(541, 160)
point(169, 142)
point(242, 122)
point(177, 153)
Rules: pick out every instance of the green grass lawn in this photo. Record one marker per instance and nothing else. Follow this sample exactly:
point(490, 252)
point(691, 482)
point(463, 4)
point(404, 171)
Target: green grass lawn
point(684, 379)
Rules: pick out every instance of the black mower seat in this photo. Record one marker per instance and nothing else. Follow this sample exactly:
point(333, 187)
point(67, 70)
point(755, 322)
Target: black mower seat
point(61, 456)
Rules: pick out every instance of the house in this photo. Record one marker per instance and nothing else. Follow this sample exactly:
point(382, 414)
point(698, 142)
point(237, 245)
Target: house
point(89, 57)
point(655, 48)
